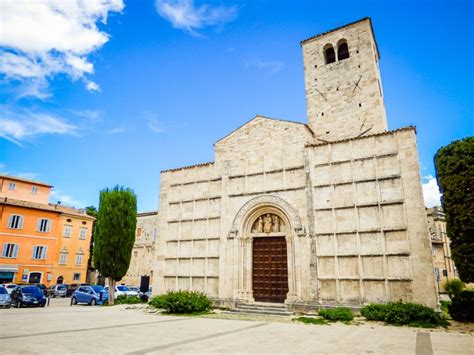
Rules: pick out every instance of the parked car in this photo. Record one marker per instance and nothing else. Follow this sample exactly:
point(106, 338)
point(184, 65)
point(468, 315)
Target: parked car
point(59, 290)
point(42, 287)
point(5, 299)
point(92, 295)
point(28, 295)
point(122, 290)
point(73, 287)
point(134, 288)
point(10, 287)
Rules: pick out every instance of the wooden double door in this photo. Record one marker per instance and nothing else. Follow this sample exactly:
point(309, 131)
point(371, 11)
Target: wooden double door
point(270, 269)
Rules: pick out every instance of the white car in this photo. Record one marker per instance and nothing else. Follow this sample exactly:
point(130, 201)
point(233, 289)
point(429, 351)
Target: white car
point(10, 287)
point(121, 290)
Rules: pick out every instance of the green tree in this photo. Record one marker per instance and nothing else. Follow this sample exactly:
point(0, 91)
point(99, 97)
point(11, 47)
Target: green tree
point(455, 174)
point(114, 234)
point(91, 211)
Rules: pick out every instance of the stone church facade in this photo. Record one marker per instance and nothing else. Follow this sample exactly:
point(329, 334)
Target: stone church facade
point(329, 212)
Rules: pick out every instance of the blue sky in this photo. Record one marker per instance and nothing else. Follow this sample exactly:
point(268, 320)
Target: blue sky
point(87, 103)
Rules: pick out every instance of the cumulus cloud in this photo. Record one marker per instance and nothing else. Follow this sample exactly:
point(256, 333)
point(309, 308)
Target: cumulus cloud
point(22, 125)
point(43, 38)
point(431, 192)
point(184, 15)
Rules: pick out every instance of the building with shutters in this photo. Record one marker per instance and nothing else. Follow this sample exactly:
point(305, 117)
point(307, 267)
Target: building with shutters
point(327, 212)
point(31, 235)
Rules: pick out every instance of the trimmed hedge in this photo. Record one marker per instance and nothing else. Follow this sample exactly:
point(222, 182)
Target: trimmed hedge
point(399, 313)
point(462, 306)
point(182, 302)
point(335, 314)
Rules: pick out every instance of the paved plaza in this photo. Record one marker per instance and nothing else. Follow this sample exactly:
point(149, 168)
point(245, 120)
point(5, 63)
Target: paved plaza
point(61, 328)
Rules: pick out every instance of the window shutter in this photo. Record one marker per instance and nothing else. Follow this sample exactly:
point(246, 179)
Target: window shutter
point(4, 250)
point(20, 222)
point(38, 225)
point(45, 249)
point(48, 225)
point(10, 218)
point(34, 252)
point(15, 250)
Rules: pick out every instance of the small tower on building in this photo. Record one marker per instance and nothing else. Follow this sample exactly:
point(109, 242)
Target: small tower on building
point(344, 95)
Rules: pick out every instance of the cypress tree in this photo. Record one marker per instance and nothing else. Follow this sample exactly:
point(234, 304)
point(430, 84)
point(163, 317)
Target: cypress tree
point(455, 174)
point(114, 234)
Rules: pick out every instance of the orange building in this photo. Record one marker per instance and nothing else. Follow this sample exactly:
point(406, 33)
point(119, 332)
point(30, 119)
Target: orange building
point(72, 252)
point(31, 235)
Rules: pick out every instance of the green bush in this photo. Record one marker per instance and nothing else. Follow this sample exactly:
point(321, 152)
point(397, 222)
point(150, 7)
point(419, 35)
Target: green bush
point(454, 287)
point(122, 299)
point(182, 302)
point(462, 306)
point(374, 312)
point(335, 314)
point(400, 313)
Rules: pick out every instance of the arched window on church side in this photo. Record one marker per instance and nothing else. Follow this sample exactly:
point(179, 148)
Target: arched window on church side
point(342, 50)
point(329, 54)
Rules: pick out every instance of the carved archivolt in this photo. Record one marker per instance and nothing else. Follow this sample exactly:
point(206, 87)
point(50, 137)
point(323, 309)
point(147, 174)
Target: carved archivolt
point(270, 222)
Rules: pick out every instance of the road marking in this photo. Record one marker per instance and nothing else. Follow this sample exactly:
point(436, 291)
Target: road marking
point(89, 329)
point(423, 344)
point(193, 340)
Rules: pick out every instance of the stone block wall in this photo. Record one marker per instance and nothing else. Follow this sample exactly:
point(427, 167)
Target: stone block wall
point(371, 242)
point(344, 98)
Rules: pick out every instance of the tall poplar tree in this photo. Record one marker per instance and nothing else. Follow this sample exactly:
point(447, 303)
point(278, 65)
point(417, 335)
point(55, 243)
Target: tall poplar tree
point(455, 174)
point(114, 234)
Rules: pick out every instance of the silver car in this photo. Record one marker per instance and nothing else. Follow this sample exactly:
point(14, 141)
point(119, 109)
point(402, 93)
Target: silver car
point(5, 299)
point(58, 290)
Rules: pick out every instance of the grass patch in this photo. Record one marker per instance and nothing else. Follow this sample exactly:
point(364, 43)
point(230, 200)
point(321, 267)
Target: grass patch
point(310, 320)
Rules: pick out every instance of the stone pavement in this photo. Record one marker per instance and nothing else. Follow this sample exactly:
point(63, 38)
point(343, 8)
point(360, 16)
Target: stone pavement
point(61, 328)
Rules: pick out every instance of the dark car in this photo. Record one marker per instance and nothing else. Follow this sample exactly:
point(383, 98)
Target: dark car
point(28, 295)
point(42, 288)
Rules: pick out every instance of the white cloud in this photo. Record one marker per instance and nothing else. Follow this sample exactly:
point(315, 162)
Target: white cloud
point(117, 130)
point(153, 122)
point(56, 196)
point(43, 38)
point(93, 87)
point(272, 66)
point(24, 125)
point(183, 14)
point(431, 192)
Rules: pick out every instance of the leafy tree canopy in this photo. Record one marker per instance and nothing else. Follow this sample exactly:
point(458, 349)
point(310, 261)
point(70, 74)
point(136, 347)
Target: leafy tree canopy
point(455, 174)
point(114, 232)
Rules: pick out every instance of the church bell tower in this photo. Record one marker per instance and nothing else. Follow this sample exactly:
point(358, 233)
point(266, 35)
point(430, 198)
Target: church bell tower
point(344, 95)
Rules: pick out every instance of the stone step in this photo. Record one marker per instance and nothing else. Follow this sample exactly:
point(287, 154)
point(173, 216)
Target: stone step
point(259, 312)
point(262, 308)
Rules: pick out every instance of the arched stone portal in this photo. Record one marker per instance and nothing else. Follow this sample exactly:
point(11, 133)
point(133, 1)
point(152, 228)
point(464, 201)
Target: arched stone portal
point(264, 230)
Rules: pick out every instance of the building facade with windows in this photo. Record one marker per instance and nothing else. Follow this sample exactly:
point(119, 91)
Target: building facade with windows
point(141, 262)
point(444, 267)
point(31, 234)
point(328, 212)
point(73, 244)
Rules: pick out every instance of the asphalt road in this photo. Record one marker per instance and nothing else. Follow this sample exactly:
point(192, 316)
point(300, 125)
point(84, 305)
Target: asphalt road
point(64, 329)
